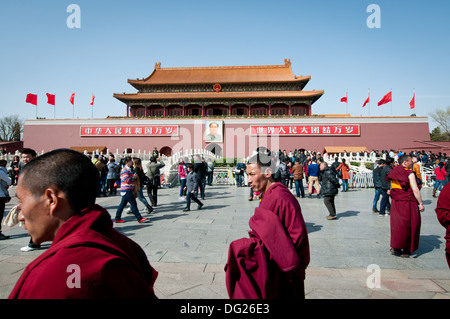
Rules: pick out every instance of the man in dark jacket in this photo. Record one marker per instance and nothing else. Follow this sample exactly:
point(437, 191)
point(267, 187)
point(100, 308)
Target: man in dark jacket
point(376, 176)
point(154, 175)
point(335, 165)
point(191, 187)
point(284, 171)
point(329, 189)
point(200, 168)
point(385, 187)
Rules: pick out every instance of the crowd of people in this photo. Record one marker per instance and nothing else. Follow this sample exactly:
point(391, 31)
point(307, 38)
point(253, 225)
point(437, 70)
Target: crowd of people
point(131, 178)
point(57, 203)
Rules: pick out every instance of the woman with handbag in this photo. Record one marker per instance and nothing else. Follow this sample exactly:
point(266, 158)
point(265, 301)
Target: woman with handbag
point(182, 172)
point(343, 173)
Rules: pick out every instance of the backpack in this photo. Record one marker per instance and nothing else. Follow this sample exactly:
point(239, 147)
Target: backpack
point(284, 171)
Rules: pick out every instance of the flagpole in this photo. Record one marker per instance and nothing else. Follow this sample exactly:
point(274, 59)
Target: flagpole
point(369, 101)
point(391, 101)
point(414, 95)
point(346, 102)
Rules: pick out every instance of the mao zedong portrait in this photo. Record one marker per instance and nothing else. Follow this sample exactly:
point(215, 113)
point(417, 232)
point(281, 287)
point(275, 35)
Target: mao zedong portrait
point(213, 135)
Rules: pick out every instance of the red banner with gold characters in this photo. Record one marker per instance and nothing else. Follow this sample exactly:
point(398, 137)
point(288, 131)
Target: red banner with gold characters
point(163, 130)
point(306, 130)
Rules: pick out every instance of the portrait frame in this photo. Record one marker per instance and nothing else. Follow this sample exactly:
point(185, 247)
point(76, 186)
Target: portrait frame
point(213, 134)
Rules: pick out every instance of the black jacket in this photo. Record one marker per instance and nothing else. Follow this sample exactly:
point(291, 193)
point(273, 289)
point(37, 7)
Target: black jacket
point(330, 183)
point(200, 169)
point(334, 166)
point(377, 177)
point(384, 172)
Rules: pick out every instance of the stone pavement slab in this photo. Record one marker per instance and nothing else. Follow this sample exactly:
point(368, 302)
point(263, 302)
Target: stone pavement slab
point(189, 249)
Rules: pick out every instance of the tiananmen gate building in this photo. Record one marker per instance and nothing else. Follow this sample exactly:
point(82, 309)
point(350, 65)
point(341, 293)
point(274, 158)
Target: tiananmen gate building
point(228, 110)
point(220, 91)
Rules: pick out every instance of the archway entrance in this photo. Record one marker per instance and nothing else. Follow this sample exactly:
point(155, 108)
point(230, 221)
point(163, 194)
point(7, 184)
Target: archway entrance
point(215, 149)
point(166, 150)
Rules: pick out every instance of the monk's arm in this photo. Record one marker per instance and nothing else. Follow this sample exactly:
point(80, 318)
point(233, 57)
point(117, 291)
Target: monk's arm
point(415, 188)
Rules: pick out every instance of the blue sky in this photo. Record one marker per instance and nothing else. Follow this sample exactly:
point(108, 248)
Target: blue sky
point(120, 40)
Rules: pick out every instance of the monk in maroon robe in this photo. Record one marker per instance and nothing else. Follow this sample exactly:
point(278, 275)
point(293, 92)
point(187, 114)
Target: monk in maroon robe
point(443, 215)
point(271, 263)
point(88, 258)
point(405, 206)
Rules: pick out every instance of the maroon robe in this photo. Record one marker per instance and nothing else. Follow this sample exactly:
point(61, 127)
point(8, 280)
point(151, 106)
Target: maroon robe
point(405, 215)
point(443, 215)
point(270, 263)
point(109, 264)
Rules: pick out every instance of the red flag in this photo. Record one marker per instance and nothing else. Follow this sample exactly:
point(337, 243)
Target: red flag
point(72, 98)
point(51, 99)
point(386, 99)
point(367, 101)
point(31, 98)
point(344, 99)
point(93, 97)
point(412, 104)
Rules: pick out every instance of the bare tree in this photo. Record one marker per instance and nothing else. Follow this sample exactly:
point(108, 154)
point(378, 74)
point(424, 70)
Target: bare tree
point(11, 128)
point(442, 117)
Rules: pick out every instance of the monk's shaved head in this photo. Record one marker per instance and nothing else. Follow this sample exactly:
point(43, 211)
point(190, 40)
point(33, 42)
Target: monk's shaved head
point(69, 171)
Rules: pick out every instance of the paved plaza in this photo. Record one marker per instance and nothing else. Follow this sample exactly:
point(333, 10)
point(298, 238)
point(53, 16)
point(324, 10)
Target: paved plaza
point(189, 249)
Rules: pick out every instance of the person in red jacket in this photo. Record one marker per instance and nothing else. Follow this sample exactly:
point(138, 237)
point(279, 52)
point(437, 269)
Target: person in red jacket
point(88, 258)
point(443, 215)
point(440, 173)
point(271, 263)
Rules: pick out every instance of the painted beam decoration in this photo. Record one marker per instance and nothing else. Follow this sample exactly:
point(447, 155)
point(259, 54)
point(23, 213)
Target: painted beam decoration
point(306, 130)
point(116, 131)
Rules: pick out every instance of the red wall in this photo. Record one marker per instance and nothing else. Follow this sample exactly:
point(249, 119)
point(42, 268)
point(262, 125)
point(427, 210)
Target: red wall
point(401, 133)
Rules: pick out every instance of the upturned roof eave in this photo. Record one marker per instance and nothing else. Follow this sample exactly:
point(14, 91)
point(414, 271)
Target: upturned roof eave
point(128, 97)
point(146, 82)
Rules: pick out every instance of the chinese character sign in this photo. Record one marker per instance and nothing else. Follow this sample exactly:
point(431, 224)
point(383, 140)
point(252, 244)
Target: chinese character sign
point(171, 130)
point(306, 130)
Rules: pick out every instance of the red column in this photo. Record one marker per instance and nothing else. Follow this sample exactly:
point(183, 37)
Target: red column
point(229, 109)
point(184, 110)
point(249, 110)
point(270, 106)
point(290, 109)
point(128, 110)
